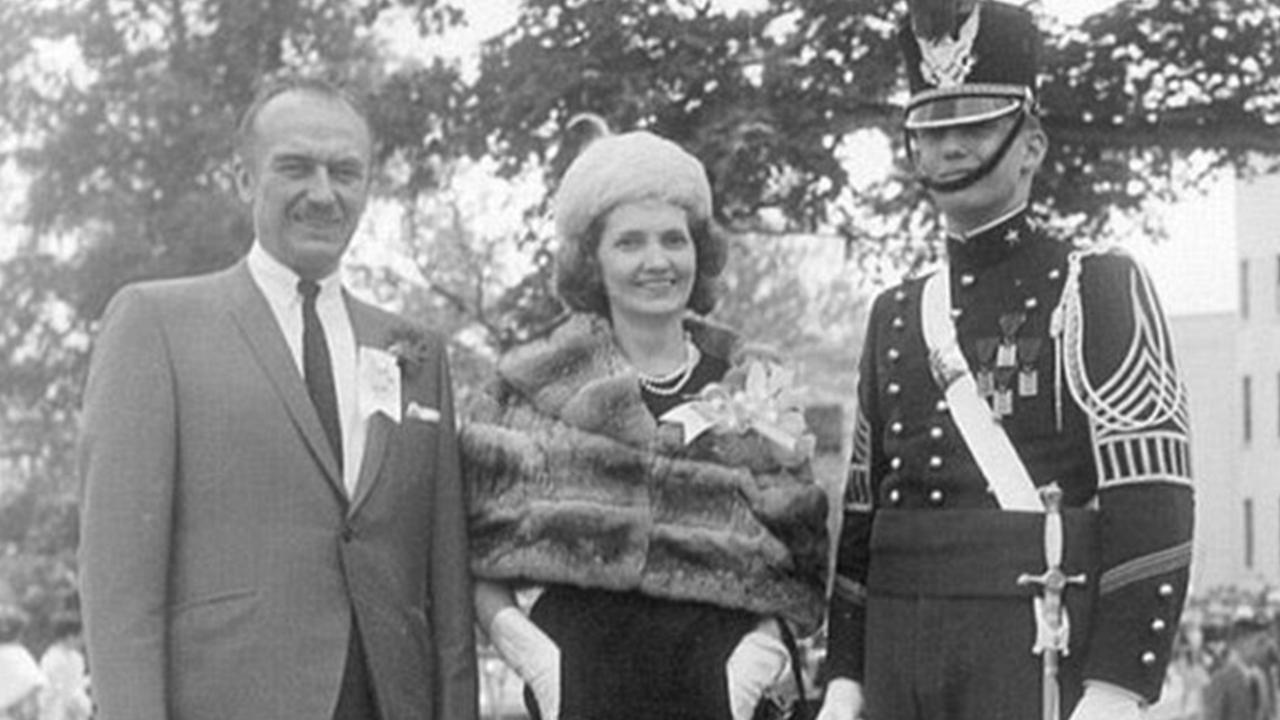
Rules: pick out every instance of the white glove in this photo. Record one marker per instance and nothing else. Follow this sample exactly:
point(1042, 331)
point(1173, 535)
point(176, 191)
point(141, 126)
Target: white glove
point(843, 700)
point(759, 661)
point(1104, 701)
point(532, 654)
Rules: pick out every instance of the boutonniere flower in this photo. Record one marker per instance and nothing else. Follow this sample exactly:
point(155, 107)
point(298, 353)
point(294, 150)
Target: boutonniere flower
point(759, 398)
point(410, 348)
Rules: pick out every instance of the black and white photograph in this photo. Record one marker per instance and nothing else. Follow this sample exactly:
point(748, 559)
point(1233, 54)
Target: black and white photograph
point(640, 360)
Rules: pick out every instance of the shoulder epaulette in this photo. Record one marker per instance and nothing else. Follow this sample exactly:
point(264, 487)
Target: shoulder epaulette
point(1139, 408)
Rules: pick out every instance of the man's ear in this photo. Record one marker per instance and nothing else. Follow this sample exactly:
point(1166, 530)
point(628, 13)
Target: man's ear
point(244, 179)
point(1035, 145)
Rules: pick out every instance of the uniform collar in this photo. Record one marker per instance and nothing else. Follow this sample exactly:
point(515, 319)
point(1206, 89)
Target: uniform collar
point(991, 243)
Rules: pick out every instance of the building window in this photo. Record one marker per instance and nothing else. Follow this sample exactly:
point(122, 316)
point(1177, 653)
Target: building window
point(1244, 288)
point(1248, 533)
point(1247, 393)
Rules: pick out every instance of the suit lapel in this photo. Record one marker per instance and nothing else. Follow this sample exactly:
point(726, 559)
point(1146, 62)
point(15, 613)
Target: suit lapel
point(370, 331)
point(254, 317)
point(375, 450)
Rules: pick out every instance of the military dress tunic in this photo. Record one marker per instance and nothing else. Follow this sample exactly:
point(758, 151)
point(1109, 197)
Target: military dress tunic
point(1070, 349)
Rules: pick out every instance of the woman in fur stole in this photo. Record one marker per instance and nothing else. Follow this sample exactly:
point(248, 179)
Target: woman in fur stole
point(674, 571)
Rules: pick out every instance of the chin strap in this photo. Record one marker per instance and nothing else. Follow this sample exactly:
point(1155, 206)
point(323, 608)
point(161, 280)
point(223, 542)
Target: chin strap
point(978, 173)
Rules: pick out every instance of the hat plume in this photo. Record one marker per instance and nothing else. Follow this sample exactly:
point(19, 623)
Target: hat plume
point(935, 19)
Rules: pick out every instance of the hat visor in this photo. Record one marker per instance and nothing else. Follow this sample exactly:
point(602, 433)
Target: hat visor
point(951, 110)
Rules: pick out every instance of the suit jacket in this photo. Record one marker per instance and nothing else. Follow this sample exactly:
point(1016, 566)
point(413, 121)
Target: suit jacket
point(222, 564)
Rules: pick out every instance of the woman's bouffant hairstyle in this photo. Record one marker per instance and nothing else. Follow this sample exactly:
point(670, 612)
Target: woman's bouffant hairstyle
point(612, 170)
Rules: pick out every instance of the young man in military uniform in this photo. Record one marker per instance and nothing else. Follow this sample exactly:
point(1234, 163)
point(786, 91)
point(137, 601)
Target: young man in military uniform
point(1017, 523)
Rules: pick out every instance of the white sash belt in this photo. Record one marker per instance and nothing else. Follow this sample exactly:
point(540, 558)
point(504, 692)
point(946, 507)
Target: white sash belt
point(981, 430)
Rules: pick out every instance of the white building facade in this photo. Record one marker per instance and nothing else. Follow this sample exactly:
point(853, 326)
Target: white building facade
point(1231, 364)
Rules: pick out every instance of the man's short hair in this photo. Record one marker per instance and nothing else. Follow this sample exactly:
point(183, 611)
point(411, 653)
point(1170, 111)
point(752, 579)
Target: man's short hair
point(281, 84)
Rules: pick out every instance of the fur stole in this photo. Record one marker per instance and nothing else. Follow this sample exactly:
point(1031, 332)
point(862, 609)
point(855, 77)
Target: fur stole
point(570, 480)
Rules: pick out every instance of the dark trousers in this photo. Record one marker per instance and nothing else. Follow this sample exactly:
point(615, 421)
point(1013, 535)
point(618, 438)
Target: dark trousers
point(936, 658)
point(356, 700)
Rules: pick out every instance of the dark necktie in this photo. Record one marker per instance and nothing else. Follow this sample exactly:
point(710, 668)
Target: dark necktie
point(317, 368)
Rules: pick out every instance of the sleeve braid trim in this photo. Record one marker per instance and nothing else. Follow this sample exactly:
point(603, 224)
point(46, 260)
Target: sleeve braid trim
point(1145, 567)
point(857, 494)
point(1144, 457)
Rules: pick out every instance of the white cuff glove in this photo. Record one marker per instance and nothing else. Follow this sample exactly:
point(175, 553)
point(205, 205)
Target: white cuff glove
point(532, 654)
point(843, 700)
point(1105, 701)
point(759, 661)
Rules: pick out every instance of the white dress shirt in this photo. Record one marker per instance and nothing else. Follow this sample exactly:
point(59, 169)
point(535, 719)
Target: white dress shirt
point(279, 284)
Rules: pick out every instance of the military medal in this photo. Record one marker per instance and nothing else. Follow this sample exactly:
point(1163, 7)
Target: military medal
point(1007, 355)
point(1028, 378)
point(1028, 382)
point(1010, 323)
point(1007, 365)
point(986, 382)
point(985, 352)
point(1002, 402)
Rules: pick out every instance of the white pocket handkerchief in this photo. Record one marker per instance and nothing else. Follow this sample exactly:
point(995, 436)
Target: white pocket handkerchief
point(379, 386)
point(422, 412)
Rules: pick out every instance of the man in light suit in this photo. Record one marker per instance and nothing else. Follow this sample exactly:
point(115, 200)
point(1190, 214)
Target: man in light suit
point(272, 518)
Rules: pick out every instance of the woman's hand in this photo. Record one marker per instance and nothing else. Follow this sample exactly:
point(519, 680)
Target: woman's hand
point(1104, 701)
point(843, 700)
point(759, 661)
point(532, 654)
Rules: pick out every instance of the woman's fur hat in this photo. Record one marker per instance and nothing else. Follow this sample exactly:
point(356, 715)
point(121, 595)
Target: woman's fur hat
point(616, 169)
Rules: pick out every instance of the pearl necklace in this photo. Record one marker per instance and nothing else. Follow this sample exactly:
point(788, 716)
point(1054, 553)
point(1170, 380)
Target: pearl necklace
point(671, 383)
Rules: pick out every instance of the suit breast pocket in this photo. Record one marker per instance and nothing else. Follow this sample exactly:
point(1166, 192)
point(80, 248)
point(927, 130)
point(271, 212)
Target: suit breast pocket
point(414, 441)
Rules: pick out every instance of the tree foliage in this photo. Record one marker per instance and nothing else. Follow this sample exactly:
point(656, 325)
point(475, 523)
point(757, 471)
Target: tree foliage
point(1137, 89)
point(761, 111)
point(764, 100)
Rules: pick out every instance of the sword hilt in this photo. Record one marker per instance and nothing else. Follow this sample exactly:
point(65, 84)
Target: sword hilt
point(1052, 580)
point(1051, 496)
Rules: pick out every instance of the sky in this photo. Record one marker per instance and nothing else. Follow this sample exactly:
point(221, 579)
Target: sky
point(1195, 268)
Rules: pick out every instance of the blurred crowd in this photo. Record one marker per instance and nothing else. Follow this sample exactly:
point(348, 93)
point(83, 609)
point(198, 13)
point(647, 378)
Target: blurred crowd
point(1226, 661)
point(1226, 666)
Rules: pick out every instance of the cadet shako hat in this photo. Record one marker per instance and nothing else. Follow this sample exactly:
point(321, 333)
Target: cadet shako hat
point(968, 61)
